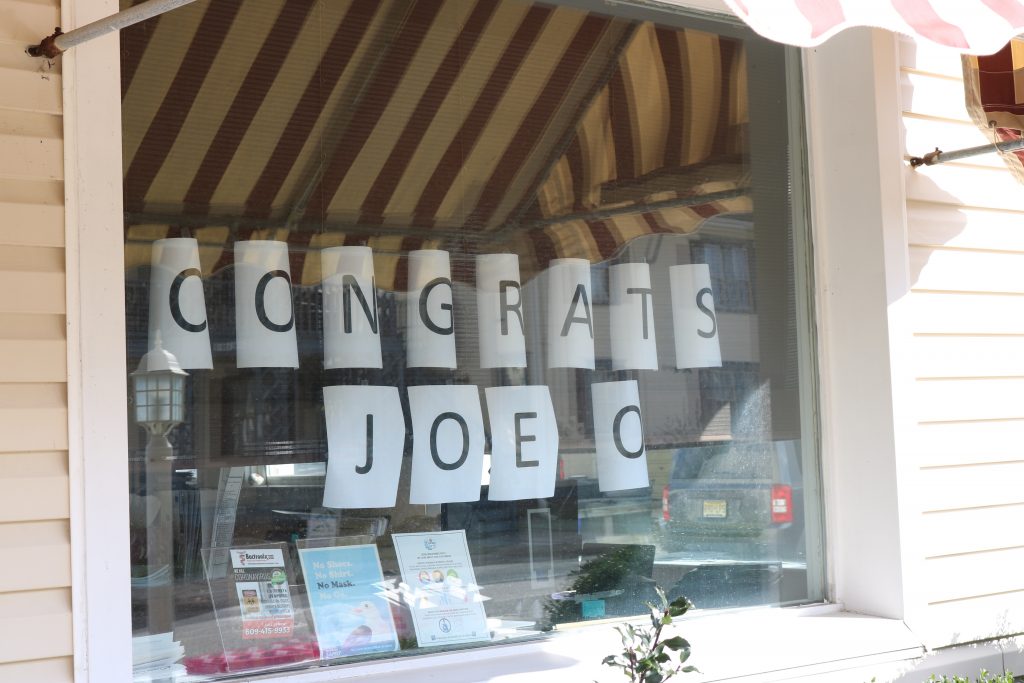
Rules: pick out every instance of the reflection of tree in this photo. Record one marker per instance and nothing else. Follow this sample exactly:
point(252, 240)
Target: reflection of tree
point(623, 570)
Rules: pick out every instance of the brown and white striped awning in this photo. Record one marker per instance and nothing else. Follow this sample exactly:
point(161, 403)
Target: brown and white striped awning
point(994, 88)
point(407, 124)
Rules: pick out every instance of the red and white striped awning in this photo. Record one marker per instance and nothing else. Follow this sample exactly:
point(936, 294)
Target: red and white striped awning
point(524, 127)
point(971, 26)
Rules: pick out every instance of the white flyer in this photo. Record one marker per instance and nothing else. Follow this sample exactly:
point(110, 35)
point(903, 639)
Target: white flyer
point(440, 587)
point(619, 436)
point(524, 442)
point(447, 444)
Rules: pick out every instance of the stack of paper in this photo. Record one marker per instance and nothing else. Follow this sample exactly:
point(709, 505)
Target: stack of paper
point(156, 657)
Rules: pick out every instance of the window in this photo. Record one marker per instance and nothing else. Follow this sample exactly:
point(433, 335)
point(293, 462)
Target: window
point(486, 317)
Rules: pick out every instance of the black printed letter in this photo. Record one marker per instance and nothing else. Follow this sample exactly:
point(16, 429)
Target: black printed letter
point(363, 469)
point(261, 308)
point(465, 441)
point(523, 438)
point(517, 307)
point(570, 317)
point(708, 312)
point(617, 435)
point(645, 293)
point(179, 280)
point(349, 283)
point(425, 316)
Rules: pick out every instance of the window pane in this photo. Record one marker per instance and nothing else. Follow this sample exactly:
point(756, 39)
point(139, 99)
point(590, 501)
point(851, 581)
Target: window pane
point(489, 319)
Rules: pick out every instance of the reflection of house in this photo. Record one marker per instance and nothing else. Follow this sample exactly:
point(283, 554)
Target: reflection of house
point(918, 303)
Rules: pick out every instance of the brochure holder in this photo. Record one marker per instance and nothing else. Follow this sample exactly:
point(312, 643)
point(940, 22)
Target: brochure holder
point(261, 623)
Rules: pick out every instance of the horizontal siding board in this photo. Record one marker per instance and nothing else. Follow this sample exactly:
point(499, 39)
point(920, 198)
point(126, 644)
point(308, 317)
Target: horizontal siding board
point(968, 356)
point(926, 58)
point(32, 259)
point(35, 429)
point(54, 670)
point(974, 486)
point(969, 531)
point(974, 619)
point(943, 225)
point(31, 224)
point(948, 400)
point(32, 326)
point(35, 625)
point(957, 313)
point(33, 486)
point(993, 188)
point(954, 443)
point(33, 360)
point(45, 549)
point(935, 96)
point(956, 270)
point(22, 20)
point(31, 158)
point(31, 292)
point(41, 192)
point(996, 571)
point(29, 90)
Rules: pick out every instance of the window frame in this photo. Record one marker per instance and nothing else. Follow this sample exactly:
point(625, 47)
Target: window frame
point(858, 277)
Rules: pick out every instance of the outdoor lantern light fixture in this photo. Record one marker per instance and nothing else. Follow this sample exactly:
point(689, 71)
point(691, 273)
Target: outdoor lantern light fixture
point(158, 386)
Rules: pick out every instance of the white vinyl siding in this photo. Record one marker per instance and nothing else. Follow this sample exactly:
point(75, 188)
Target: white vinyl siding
point(35, 576)
point(966, 259)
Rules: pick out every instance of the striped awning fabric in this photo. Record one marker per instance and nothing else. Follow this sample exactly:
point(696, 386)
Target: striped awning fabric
point(970, 26)
point(994, 89)
point(403, 124)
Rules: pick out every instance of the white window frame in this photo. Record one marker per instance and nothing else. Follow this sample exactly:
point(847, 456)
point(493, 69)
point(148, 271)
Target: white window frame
point(860, 269)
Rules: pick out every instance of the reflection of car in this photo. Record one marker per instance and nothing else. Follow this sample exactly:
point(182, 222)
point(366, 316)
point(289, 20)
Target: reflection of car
point(739, 500)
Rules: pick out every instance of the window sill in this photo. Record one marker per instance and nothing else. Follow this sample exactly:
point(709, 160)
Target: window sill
point(821, 642)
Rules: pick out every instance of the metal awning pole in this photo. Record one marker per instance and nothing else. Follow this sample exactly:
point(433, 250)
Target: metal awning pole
point(53, 45)
point(938, 156)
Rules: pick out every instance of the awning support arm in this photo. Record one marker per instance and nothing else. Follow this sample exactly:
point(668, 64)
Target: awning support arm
point(59, 42)
point(939, 157)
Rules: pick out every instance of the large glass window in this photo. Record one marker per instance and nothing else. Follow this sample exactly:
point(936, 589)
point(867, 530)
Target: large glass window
point(457, 321)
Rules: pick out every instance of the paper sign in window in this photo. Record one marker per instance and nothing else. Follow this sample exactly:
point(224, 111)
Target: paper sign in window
point(570, 314)
point(351, 320)
point(177, 306)
point(524, 442)
point(430, 314)
point(447, 444)
point(632, 317)
point(500, 317)
point(693, 317)
point(619, 436)
point(365, 443)
point(264, 316)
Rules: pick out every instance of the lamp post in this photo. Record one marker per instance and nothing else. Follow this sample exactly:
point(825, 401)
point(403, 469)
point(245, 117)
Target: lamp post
point(158, 386)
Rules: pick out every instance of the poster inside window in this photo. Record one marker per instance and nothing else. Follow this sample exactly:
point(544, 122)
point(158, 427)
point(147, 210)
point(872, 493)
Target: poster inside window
point(484, 317)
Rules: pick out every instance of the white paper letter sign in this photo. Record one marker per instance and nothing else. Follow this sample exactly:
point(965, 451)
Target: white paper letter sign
point(365, 443)
point(570, 316)
point(524, 443)
point(693, 317)
point(632, 317)
point(499, 303)
point(351, 323)
point(264, 318)
point(430, 322)
point(619, 436)
point(177, 307)
point(447, 444)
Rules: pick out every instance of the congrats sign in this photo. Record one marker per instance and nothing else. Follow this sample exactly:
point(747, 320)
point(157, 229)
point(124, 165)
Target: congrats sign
point(366, 425)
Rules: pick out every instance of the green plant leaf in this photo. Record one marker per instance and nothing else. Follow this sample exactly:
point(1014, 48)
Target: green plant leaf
point(676, 643)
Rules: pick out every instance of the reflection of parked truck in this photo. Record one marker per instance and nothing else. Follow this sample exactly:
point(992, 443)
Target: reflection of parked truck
point(750, 492)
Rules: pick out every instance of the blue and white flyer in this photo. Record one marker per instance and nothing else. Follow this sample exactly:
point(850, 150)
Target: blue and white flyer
point(347, 597)
point(439, 584)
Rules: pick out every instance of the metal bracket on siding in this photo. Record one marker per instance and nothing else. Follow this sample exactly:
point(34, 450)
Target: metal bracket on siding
point(939, 157)
point(59, 42)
